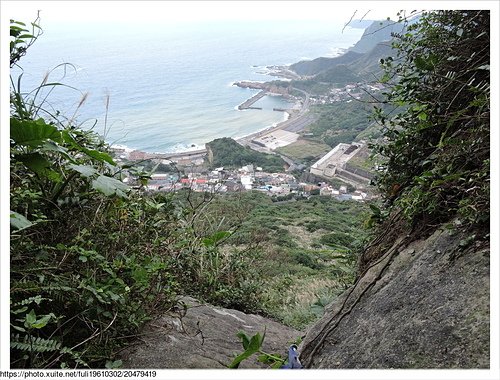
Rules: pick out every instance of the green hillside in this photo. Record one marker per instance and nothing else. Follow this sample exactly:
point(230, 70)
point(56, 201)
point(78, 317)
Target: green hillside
point(303, 251)
point(359, 60)
point(341, 122)
point(339, 75)
point(321, 64)
point(228, 153)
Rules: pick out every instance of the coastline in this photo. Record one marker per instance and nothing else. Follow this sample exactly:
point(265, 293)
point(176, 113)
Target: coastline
point(296, 118)
point(197, 153)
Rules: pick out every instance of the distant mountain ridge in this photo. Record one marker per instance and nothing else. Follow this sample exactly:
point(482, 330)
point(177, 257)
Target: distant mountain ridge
point(377, 32)
point(360, 62)
point(360, 24)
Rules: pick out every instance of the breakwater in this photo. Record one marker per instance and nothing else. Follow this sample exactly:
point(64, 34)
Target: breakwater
point(247, 104)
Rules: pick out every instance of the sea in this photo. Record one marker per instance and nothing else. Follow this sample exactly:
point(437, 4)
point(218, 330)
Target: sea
point(169, 87)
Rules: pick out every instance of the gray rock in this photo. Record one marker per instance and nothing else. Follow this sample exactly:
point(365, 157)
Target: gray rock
point(203, 336)
point(424, 305)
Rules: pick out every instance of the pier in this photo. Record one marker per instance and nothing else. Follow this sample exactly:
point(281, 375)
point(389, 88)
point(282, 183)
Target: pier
point(248, 103)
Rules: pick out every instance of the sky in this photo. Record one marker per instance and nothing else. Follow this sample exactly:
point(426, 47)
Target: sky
point(151, 11)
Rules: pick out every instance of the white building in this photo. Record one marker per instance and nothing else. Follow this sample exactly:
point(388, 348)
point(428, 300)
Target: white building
point(335, 159)
point(246, 181)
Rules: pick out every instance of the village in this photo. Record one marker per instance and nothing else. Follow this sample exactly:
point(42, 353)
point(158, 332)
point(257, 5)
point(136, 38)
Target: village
point(331, 175)
point(352, 91)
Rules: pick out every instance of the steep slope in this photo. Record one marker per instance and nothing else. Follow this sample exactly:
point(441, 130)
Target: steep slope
point(365, 67)
point(322, 63)
point(339, 74)
point(369, 64)
point(421, 305)
point(377, 32)
point(364, 54)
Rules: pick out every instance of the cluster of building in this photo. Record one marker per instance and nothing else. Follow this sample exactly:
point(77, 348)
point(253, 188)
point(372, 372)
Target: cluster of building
point(221, 180)
point(193, 174)
point(346, 93)
point(248, 178)
point(342, 194)
point(334, 164)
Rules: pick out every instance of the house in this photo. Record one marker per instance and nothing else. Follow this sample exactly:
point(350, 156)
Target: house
point(246, 181)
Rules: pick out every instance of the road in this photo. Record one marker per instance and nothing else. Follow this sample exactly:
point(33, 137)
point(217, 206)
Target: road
point(305, 105)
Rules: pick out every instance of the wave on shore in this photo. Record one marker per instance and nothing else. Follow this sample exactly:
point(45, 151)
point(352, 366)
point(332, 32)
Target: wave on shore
point(177, 148)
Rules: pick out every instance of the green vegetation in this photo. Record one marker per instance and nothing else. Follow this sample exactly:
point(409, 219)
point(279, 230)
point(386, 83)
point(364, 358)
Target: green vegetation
point(364, 162)
point(310, 85)
point(306, 249)
point(320, 64)
point(437, 146)
point(339, 75)
point(228, 153)
point(304, 150)
point(253, 345)
point(92, 259)
point(377, 32)
point(341, 122)
point(360, 63)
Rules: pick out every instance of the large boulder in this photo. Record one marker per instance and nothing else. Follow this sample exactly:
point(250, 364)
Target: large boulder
point(203, 336)
point(423, 304)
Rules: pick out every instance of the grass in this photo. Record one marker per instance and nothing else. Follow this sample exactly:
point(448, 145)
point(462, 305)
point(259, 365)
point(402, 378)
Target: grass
point(302, 252)
point(363, 160)
point(304, 149)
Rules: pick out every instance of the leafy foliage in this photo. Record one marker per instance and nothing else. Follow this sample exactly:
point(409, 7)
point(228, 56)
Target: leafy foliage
point(436, 144)
point(22, 38)
point(91, 258)
point(253, 345)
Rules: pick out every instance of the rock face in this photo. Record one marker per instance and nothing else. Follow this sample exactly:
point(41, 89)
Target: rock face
point(203, 336)
point(423, 305)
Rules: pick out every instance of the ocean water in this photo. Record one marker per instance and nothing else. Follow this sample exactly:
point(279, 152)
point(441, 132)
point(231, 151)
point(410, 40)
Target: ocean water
point(170, 86)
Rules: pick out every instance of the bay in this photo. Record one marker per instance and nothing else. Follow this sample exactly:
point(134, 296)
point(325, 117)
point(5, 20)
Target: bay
point(170, 85)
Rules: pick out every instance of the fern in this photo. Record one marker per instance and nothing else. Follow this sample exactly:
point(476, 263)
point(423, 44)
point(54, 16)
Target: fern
point(36, 299)
point(36, 345)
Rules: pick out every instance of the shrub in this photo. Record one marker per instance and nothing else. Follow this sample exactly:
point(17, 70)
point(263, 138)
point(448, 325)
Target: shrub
point(91, 258)
point(436, 138)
